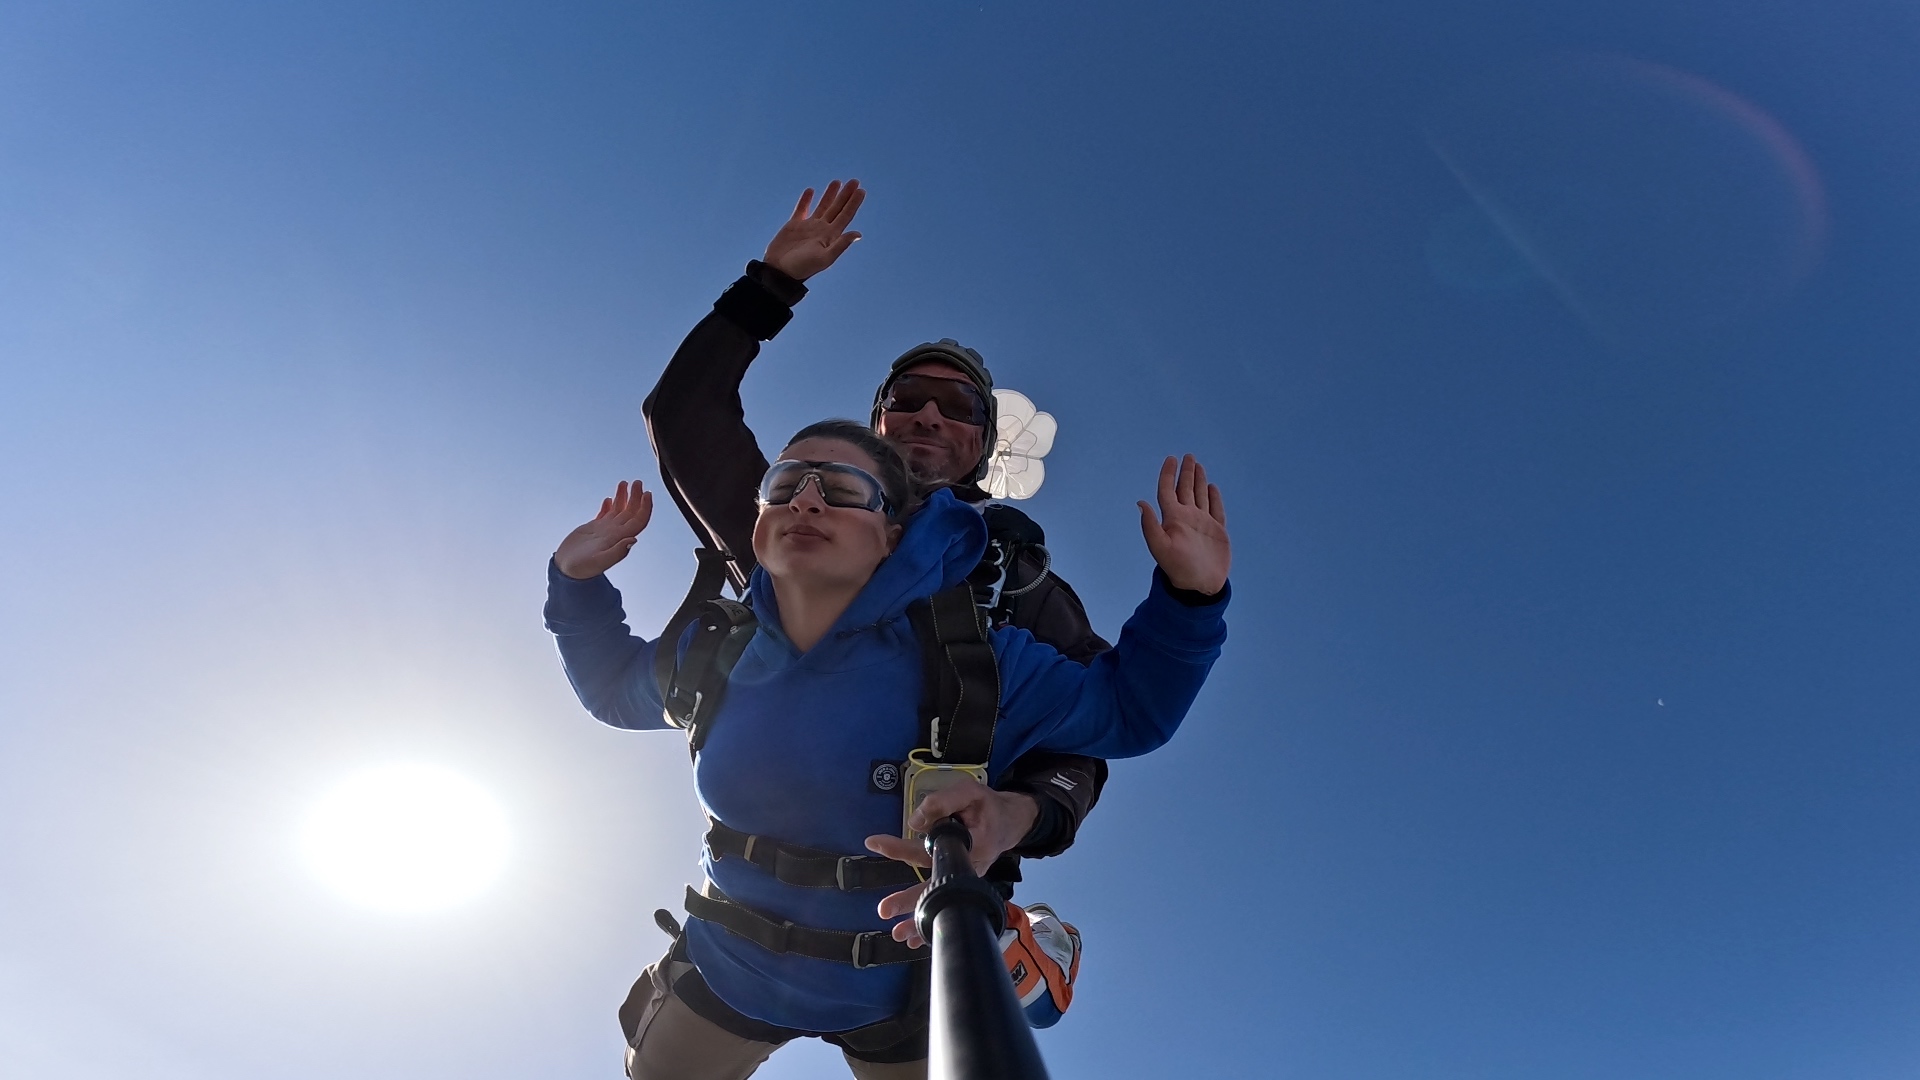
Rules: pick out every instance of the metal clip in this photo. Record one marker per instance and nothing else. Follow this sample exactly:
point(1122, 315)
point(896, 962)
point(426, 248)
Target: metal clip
point(859, 941)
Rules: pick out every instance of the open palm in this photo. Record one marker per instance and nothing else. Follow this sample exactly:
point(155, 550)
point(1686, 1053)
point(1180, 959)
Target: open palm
point(809, 242)
point(1189, 538)
point(595, 547)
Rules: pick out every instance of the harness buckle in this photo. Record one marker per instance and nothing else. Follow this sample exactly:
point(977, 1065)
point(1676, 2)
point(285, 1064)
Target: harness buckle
point(748, 854)
point(1000, 559)
point(860, 943)
point(840, 871)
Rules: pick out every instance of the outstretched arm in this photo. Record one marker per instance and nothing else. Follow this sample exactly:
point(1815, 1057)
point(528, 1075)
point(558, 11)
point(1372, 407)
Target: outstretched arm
point(609, 667)
point(709, 459)
point(1127, 701)
point(1131, 700)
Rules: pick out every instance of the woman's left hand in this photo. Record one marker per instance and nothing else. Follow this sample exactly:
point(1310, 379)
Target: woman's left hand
point(1189, 538)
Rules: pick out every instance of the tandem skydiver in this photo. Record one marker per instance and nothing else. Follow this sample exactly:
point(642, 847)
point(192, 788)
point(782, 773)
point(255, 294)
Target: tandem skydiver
point(854, 589)
point(936, 406)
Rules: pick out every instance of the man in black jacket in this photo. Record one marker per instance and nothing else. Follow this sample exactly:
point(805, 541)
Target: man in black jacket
point(936, 405)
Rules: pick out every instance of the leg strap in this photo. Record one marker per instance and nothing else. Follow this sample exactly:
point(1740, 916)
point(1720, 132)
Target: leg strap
point(899, 1038)
point(862, 950)
point(809, 868)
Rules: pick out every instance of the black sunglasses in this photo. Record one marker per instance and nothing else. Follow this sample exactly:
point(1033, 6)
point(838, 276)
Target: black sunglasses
point(956, 400)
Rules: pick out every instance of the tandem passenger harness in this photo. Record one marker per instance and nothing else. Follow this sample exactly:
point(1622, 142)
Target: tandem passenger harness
point(959, 706)
point(958, 710)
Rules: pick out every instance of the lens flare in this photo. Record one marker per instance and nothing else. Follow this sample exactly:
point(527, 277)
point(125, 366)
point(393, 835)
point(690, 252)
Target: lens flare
point(1662, 209)
point(406, 838)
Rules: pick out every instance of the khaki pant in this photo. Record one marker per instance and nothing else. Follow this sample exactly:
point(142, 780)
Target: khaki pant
point(672, 1042)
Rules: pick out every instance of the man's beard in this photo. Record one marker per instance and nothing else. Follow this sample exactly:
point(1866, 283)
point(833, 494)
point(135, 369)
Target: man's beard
point(928, 468)
point(926, 465)
point(925, 479)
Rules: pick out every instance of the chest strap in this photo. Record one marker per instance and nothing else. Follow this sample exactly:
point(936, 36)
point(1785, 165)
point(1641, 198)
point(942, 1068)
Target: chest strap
point(809, 868)
point(960, 684)
point(862, 950)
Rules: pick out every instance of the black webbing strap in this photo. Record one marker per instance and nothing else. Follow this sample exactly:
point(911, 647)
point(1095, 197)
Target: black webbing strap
point(895, 1032)
point(709, 575)
point(960, 695)
point(863, 950)
point(1011, 535)
point(699, 682)
point(809, 868)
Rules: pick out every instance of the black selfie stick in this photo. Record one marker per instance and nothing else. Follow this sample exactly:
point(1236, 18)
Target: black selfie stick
point(977, 1029)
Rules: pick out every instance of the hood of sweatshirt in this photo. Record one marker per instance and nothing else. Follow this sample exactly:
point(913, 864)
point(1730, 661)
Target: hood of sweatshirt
point(942, 543)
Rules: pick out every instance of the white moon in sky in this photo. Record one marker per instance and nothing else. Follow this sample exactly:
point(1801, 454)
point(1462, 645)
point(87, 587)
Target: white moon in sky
point(406, 838)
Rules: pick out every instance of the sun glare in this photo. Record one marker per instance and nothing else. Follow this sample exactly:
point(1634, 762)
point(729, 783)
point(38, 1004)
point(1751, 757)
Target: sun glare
point(406, 838)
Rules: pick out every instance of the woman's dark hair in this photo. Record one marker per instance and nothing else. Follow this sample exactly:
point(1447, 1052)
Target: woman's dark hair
point(894, 478)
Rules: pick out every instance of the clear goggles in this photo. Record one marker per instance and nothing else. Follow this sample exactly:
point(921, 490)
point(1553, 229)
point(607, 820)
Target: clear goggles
point(839, 485)
point(956, 400)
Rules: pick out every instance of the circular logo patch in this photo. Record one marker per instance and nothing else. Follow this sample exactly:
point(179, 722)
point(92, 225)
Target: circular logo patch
point(886, 776)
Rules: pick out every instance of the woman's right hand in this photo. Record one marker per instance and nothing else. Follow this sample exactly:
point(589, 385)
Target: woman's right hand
point(593, 548)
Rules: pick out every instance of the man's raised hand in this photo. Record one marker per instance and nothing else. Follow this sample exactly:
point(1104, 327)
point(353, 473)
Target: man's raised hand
point(1189, 538)
point(593, 548)
point(809, 242)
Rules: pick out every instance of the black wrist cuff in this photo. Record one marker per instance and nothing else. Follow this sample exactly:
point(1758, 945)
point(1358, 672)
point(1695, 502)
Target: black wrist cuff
point(787, 290)
point(1192, 598)
point(753, 308)
point(1048, 831)
point(1189, 597)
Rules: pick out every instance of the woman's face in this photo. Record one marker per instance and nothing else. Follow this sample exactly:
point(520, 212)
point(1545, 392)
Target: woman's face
point(812, 544)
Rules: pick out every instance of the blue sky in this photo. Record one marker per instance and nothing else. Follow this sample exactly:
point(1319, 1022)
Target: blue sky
point(1558, 362)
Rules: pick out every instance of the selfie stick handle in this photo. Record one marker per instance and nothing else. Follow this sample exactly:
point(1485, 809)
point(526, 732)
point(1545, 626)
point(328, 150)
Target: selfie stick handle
point(977, 1030)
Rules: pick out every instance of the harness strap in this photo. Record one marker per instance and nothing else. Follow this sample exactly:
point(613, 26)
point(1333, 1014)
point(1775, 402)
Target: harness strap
point(709, 574)
point(721, 633)
point(1011, 535)
point(862, 950)
point(809, 868)
point(960, 689)
point(906, 1032)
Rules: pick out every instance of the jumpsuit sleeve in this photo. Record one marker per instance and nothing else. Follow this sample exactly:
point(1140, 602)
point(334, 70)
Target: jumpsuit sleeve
point(610, 668)
point(710, 462)
point(1130, 700)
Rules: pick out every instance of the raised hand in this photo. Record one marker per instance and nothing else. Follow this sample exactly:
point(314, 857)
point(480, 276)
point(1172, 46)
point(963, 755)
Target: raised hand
point(596, 546)
point(809, 243)
point(1189, 538)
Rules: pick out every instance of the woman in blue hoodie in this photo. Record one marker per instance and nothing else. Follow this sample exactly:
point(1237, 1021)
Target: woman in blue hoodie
point(830, 685)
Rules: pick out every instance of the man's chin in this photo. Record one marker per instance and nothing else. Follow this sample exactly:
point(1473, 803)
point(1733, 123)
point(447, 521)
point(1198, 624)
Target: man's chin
point(928, 464)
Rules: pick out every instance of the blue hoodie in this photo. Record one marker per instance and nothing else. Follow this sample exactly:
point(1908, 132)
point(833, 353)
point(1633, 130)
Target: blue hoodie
point(791, 750)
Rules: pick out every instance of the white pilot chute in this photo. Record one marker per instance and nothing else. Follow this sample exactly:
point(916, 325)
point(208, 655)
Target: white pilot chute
point(1024, 436)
